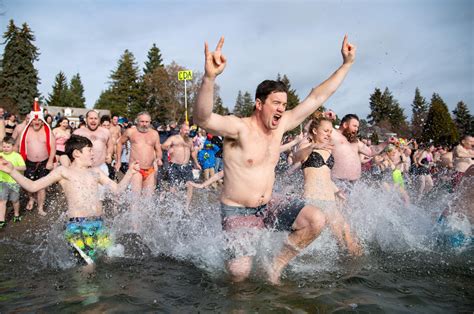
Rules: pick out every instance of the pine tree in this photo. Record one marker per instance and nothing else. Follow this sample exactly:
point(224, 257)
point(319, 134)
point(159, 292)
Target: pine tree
point(378, 108)
point(125, 94)
point(60, 94)
point(419, 112)
point(239, 105)
point(463, 118)
point(439, 126)
point(219, 107)
point(19, 78)
point(76, 92)
point(293, 99)
point(154, 60)
point(249, 105)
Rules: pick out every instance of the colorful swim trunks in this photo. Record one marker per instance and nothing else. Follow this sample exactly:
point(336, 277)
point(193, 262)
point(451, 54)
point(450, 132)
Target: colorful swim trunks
point(89, 234)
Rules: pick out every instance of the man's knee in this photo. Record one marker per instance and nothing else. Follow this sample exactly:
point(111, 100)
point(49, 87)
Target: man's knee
point(239, 269)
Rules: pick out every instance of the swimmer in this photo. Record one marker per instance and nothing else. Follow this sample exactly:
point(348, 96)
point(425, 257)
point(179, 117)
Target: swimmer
point(251, 152)
point(180, 149)
point(319, 189)
point(80, 182)
point(146, 149)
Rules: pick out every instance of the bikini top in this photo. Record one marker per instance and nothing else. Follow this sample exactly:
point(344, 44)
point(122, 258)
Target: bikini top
point(315, 160)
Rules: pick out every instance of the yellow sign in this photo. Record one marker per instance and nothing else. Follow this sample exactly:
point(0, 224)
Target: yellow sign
point(185, 75)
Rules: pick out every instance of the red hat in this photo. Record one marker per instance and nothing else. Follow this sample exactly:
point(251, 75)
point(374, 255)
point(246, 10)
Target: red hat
point(209, 136)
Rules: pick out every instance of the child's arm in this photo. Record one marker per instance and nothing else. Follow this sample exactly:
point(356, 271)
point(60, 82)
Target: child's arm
point(120, 187)
point(209, 181)
point(29, 185)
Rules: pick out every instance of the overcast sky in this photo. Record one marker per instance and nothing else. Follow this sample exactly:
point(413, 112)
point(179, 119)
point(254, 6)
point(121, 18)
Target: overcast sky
point(400, 44)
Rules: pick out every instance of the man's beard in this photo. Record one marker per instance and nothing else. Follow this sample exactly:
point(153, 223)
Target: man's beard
point(91, 129)
point(142, 129)
point(351, 137)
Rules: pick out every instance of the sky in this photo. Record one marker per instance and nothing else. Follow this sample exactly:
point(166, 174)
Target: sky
point(401, 44)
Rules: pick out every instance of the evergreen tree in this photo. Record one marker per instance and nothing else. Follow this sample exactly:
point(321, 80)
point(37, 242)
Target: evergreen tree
point(219, 107)
point(293, 99)
point(386, 111)
point(154, 60)
point(439, 126)
point(125, 97)
point(419, 112)
point(239, 105)
point(378, 108)
point(249, 105)
point(158, 95)
point(19, 78)
point(76, 92)
point(60, 94)
point(463, 118)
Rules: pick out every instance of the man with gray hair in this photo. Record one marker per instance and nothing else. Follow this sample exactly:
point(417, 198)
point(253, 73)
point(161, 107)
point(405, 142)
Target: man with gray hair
point(146, 149)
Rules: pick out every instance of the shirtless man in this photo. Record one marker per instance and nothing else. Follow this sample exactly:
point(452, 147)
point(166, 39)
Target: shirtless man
point(101, 140)
point(19, 130)
point(37, 146)
point(80, 183)
point(146, 150)
point(180, 149)
point(462, 157)
point(347, 147)
point(251, 152)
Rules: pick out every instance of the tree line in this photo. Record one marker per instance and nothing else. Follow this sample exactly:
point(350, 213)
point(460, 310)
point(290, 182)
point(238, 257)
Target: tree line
point(156, 89)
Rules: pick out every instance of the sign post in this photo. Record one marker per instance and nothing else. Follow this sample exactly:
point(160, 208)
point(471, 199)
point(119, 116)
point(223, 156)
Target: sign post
point(185, 76)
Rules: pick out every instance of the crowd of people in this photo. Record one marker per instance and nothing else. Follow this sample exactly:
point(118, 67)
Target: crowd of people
point(239, 156)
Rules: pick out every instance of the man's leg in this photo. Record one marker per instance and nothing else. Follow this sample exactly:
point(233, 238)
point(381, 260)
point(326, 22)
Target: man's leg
point(136, 184)
point(149, 185)
point(239, 268)
point(307, 226)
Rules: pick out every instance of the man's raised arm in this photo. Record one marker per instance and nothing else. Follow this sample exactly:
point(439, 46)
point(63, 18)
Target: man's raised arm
point(215, 63)
point(321, 93)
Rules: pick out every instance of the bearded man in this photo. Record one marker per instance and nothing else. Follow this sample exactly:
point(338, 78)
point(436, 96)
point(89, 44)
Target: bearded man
point(102, 144)
point(146, 149)
point(37, 147)
point(347, 147)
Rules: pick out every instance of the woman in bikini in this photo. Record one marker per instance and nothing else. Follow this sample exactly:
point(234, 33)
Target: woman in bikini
point(62, 133)
point(319, 189)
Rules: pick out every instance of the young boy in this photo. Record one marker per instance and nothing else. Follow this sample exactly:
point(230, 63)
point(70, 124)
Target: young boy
point(80, 183)
point(9, 189)
point(207, 158)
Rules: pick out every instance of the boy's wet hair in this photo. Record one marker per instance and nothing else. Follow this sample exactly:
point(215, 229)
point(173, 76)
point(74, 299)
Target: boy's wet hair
point(268, 87)
point(76, 142)
point(9, 140)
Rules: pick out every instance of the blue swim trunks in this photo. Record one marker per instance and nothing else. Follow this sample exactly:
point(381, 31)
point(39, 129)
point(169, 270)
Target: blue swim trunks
point(89, 234)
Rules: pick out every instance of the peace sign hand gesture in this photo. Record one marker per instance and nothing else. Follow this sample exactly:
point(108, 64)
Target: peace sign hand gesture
point(348, 51)
point(215, 61)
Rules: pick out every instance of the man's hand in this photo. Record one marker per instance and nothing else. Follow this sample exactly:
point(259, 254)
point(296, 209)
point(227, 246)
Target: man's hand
point(108, 159)
point(215, 61)
point(5, 165)
point(348, 51)
point(49, 165)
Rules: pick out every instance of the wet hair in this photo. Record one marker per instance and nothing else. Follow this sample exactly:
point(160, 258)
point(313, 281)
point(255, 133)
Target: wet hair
point(268, 87)
point(76, 142)
point(9, 140)
point(104, 118)
point(316, 119)
point(465, 137)
point(349, 117)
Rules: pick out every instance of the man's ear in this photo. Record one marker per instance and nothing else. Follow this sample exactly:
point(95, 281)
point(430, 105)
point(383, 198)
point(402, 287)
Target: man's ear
point(258, 104)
